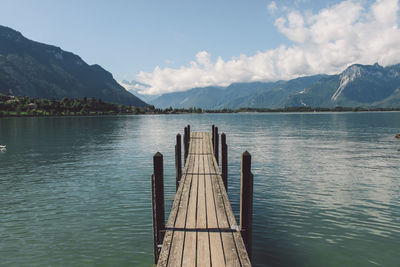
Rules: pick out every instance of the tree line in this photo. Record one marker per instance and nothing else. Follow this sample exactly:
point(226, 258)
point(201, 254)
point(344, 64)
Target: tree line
point(171, 110)
point(27, 106)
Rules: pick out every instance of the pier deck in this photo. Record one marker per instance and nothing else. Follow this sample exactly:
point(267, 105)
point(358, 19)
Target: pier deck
point(201, 229)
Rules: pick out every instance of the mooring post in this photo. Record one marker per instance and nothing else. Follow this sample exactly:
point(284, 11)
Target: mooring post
point(185, 141)
point(178, 160)
point(224, 161)
point(216, 137)
point(246, 202)
point(212, 135)
point(157, 182)
point(188, 129)
point(155, 227)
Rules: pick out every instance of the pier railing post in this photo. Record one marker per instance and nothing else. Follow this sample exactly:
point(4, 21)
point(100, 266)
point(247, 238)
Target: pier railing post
point(187, 141)
point(157, 182)
point(185, 146)
point(246, 202)
point(216, 137)
point(188, 132)
point(212, 135)
point(224, 161)
point(178, 160)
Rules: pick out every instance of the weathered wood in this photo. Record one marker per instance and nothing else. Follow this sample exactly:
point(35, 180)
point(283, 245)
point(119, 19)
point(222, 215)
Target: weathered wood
point(202, 230)
point(174, 258)
point(212, 136)
point(216, 144)
point(189, 250)
point(224, 161)
point(156, 231)
point(203, 242)
point(187, 141)
point(158, 202)
point(246, 201)
point(240, 254)
point(221, 243)
point(171, 251)
point(185, 144)
point(178, 160)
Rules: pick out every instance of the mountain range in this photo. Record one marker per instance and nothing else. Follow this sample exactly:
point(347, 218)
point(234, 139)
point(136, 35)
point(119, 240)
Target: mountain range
point(357, 86)
point(39, 70)
point(29, 68)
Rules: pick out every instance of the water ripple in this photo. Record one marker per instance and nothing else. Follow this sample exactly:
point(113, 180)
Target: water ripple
point(76, 191)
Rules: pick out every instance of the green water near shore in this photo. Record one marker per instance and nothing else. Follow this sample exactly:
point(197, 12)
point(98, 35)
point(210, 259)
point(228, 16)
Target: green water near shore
point(76, 190)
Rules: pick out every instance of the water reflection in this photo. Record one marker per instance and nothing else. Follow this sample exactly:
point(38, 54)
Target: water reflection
point(77, 190)
point(329, 180)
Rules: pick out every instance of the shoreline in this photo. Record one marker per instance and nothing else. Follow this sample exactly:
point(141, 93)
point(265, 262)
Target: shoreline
point(24, 106)
point(349, 110)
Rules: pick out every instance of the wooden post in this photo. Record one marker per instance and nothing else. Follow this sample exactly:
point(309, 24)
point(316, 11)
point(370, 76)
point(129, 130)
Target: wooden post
point(188, 131)
point(216, 137)
point(246, 202)
point(212, 135)
point(178, 160)
point(157, 181)
point(156, 231)
point(224, 161)
point(155, 228)
point(185, 141)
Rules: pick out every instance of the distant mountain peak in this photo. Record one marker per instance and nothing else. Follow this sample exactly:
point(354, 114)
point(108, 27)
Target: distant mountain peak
point(35, 69)
point(358, 71)
point(357, 86)
point(347, 76)
point(10, 34)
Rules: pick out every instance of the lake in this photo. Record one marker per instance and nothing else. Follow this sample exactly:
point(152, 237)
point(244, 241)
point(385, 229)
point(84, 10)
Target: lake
point(75, 191)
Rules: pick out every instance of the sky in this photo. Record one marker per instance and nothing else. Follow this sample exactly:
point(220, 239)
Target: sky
point(169, 46)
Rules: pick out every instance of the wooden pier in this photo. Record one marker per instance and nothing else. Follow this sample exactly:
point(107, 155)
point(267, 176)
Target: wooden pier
point(201, 229)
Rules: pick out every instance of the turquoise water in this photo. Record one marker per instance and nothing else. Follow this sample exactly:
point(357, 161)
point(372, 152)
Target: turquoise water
point(76, 191)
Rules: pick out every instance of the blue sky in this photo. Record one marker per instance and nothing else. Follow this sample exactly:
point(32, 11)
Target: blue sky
point(176, 45)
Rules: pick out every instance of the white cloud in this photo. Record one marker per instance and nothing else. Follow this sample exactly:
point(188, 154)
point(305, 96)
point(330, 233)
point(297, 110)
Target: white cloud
point(324, 42)
point(272, 7)
point(134, 86)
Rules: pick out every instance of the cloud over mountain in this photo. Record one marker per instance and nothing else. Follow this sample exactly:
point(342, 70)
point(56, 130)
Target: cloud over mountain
point(323, 42)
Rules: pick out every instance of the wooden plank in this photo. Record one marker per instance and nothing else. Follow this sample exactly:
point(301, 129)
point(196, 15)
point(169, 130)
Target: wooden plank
point(193, 149)
point(227, 239)
point(171, 252)
point(240, 248)
point(190, 245)
point(201, 230)
point(203, 242)
point(216, 246)
point(172, 249)
point(178, 212)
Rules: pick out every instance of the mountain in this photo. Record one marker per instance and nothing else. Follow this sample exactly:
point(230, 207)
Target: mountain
point(29, 68)
point(205, 97)
point(276, 94)
point(357, 86)
point(236, 95)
